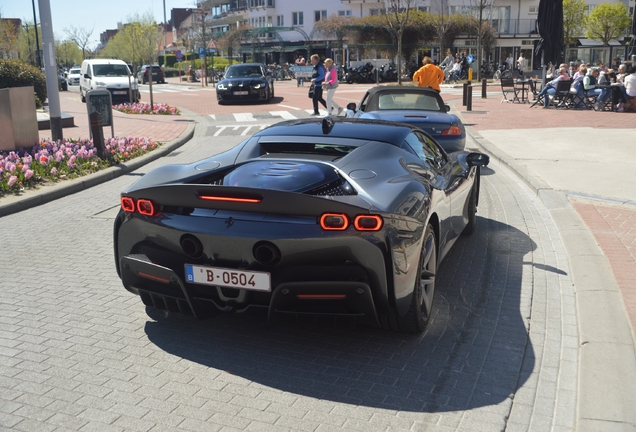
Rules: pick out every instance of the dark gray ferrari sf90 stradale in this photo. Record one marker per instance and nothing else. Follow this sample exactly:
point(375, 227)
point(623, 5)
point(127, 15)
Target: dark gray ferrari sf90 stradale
point(317, 216)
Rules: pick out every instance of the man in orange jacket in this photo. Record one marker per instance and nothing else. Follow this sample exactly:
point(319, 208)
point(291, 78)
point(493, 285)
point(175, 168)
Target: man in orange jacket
point(429, 75)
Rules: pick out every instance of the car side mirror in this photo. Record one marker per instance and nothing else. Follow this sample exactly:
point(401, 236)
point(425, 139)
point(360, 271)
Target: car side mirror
point(447, 108)
point(477, 159)
point(351, 106)
point(87, 76)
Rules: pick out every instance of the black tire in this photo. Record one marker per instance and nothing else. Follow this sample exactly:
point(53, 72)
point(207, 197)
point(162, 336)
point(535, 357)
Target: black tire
point(506, 74)
point(419, 314)
point(497, 76)
point(82, 97)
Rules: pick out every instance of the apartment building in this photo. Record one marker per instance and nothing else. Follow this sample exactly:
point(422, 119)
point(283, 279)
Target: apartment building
point(283, 28)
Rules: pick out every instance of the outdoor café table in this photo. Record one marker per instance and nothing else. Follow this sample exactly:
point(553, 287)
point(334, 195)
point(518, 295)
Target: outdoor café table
point(523, 85)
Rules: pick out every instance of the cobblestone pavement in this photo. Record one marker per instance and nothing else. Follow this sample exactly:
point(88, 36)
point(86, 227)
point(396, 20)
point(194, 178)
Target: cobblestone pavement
point(81, 353)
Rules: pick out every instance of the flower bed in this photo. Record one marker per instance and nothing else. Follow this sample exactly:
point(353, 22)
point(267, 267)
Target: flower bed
point(145, 108)
point(53, 161)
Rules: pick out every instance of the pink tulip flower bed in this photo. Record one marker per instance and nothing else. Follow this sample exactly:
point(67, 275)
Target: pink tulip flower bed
point(54, 161)
point(145, 108)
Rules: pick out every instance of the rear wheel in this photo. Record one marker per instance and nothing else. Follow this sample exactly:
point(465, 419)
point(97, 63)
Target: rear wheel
point(506, 74)
point(419, 314)
point(82, 97)
point(497, 75)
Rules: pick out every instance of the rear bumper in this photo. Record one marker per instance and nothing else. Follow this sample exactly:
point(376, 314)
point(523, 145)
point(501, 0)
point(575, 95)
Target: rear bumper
point(316, 272)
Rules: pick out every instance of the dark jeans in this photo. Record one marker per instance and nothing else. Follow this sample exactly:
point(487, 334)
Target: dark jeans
point(318, 98)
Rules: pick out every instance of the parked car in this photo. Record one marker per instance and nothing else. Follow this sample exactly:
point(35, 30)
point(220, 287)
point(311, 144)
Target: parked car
point(111, 75)
point(157, 74)
point(314, 216)
point(74, 75)
point(420, 106)
point(246, 82)
point(63, 82)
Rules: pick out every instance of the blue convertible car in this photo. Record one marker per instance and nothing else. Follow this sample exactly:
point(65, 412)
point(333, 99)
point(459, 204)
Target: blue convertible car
point(421, 107)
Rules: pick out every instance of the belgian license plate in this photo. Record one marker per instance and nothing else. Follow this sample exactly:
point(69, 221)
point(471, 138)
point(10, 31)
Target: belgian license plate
point(241, 93)
point(232, 278)
point(120, 92)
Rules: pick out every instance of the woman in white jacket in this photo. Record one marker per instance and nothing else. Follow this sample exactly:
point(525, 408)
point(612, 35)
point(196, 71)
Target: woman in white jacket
point(331, 83)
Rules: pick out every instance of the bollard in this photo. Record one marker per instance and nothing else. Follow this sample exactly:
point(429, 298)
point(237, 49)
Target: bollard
point(483, 88)
point(469, 98)
point(464, 94)
point(97, 132)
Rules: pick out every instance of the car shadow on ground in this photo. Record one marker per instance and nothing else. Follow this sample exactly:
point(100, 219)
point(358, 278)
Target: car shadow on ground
point(475, 352)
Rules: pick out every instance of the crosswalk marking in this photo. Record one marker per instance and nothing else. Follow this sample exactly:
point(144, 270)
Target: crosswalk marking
point(243, 117)
point(284, 114)
point(235, 128)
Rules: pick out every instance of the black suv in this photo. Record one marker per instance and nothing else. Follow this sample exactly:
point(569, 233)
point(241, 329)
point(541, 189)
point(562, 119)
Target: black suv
point(157, 74)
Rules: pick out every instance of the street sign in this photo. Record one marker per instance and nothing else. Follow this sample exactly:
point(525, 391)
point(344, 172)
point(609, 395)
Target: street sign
point(212, 45)
point(302, 71)
point(178, 54)
point(201, 52)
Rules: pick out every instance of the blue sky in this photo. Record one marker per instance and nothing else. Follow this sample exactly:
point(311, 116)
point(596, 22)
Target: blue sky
point(102, 14)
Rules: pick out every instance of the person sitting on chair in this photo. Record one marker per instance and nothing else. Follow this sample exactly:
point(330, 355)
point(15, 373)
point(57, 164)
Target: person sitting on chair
point(550, 88)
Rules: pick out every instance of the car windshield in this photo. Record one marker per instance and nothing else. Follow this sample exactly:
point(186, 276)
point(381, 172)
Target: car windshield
point(408, 101)
point(74, 71)
point(244, 72)
point(110, 70)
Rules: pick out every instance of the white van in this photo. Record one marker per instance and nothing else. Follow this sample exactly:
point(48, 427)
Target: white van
point(112, 75)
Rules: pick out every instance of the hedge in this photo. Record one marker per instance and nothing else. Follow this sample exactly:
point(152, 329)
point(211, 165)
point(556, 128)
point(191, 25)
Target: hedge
point(14, 73)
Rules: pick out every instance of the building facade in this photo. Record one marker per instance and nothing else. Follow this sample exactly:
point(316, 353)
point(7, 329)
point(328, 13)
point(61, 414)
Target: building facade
point(285, 28)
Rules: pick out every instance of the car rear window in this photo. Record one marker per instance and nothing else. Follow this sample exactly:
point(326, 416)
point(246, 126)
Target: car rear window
point(407, 101)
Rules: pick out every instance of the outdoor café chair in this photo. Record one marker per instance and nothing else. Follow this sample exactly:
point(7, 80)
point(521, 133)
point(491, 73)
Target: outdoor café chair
point(508, 88)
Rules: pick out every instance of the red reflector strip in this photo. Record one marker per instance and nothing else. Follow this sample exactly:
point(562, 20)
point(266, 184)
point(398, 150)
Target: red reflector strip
point(128, 204)
point(368, 222)
point(145, 207)
point(230, 199)
point(334, 222)
point(321, 296)
point(153, 277)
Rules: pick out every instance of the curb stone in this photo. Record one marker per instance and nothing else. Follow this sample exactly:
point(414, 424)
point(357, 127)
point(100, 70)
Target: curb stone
point(47, 193)
point(607, 357)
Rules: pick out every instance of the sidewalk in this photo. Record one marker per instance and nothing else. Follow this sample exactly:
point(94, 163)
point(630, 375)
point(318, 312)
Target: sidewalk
point(580, 163)
point(171, 131)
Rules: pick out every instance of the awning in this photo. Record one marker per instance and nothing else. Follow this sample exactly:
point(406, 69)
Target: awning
point(594, 43)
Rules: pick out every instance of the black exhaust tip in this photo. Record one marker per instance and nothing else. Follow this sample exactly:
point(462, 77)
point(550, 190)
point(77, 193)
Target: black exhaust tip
point(266, 253)
point(191, 246)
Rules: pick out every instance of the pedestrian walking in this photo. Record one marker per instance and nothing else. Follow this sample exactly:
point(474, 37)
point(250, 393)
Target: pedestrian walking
point(331, 83)
point(429, 75)
point(300, 61)
point(521, 64)
point(317, 78)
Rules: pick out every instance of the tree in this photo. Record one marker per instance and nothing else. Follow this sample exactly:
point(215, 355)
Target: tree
point(26, 43)
point(9, 31)
point(573, 19)
point(136, 42)
point(479, 8)
point(607, 21)
point(67, 53)
point(397, 17)
point(334, 26)
point(81, 36)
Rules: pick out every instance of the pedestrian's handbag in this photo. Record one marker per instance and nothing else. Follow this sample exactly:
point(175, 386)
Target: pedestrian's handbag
point(311, 91)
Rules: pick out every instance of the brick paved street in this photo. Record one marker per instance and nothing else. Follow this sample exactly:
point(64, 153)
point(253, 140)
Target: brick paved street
point(81, 353)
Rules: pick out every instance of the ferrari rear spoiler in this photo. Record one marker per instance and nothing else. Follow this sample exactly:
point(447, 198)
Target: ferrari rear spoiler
point(248, 200)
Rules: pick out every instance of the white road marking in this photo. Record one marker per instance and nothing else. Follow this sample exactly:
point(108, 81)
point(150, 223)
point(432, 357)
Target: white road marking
point(287, 106)
point(243, 117)
point(284, 114)
point(213, 116)
point(247, 129)
point(221, 129)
